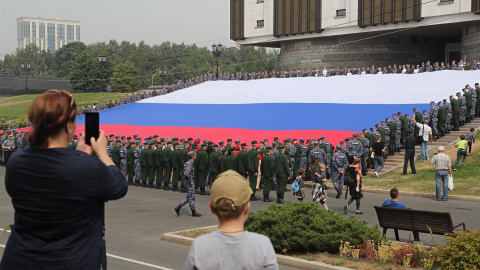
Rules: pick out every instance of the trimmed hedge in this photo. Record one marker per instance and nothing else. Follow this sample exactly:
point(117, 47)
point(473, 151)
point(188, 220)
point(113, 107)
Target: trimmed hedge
point(304, 227)
point(462, 251)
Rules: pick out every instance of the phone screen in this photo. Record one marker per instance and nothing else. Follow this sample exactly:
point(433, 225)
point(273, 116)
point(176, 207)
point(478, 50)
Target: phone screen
point(92, 126)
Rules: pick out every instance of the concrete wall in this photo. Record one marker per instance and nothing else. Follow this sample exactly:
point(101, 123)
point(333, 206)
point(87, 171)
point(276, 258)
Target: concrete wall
point(379, 51)
point(471, 42)
point(10, 86)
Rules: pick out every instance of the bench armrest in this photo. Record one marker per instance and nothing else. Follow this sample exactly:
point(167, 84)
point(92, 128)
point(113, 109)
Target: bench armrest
point(461, 224)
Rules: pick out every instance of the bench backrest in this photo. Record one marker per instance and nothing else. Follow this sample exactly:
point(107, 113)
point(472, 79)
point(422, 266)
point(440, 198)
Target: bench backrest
point(414, 220)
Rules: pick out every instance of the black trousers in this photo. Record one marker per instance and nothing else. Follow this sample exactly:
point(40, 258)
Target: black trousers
point(6, 155)
point(409, 156)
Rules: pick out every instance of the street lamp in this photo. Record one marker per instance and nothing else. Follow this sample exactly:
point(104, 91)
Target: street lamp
point(160, 72)
point(102, 60)
point(217, 51)
point(26, 69)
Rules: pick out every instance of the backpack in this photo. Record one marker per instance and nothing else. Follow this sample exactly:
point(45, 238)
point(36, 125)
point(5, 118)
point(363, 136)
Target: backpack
point(295, 186)
point(349, 181)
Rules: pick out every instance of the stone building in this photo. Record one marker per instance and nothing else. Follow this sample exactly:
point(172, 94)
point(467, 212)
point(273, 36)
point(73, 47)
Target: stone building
point(317, 33)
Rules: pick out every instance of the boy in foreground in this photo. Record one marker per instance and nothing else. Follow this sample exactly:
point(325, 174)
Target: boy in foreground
point(234, 248)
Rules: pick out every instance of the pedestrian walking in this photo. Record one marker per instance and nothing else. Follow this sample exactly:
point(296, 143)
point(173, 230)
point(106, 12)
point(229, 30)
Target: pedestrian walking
point(462, 146)
point(443, 169)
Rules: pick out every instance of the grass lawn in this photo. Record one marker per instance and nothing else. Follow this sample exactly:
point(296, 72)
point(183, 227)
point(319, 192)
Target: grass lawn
point(465, 179)
point(16, 107)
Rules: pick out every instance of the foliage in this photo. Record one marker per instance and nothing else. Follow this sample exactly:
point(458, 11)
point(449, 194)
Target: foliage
point(182, 62)
point(462, 251)
point(127, 81)
point(407, 255)
point(303, 227)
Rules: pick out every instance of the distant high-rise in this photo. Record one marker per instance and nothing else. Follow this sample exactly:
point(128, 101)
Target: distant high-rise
point(48, 34)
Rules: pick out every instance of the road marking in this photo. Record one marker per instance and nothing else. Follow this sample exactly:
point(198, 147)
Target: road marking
point(127, 260)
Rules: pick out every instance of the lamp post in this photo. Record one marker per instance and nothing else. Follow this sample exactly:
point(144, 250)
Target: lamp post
point(102, 60)
point(217, 51)
point(26, 69)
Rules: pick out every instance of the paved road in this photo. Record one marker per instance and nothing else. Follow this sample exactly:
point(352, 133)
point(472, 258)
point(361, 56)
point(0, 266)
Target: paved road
point(135, 224)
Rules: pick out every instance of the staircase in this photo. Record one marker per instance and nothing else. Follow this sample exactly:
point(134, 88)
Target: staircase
point(395, 161)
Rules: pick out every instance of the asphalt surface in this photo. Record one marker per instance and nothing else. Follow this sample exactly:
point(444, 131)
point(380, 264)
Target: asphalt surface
point(135, 224)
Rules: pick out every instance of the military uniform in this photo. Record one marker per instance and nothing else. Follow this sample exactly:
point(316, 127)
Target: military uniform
point(282, 173)
point(410, 143)
point(354, 148)
point(442, 117)
point(267, 170)
point(303, 156)
point(393, 135)
point(123, 160)
point(468, 98)
point(144, 163)
point(456, 112)
point(214, 166)
point(130, 164)
point(463, 110)
point(151, 164)
point(188, 178)
point(137, 167)
point(404, 121)
point(116, 156)
point(339, 162)
point(176, 163)
point(167, 166)
point(242, 163)
point(158, 157)
point(252, 167)
point(433, 113)
point(202, 170)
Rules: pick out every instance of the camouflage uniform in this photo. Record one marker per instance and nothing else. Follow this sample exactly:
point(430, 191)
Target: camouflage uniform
point(110, 151)
point(398, 133)
point(387, 138)
point(449, 109)
point(463, 108)
point(434, 119)
point(123, 160)
point(316, 153)
point(303, 156)
point(328, 156)
point(137, 165)
point(188, 177)
point(354, 148)
point(339, 161)
point(293, 152)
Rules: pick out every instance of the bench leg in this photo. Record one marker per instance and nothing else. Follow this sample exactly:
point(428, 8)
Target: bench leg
point(396, 235)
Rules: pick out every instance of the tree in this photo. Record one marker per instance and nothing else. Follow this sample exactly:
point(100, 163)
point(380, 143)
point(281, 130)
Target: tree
point(125, 78)
point(65, 56)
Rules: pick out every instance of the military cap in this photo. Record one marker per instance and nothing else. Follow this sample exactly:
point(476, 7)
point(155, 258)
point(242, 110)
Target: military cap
point(169, 142)
point(458, 93)
point(399, 113)
point(394, 114)
point(281, 147)
point(243, 144)
point(191, 154)
point(151, 143)
point(468, 85)
point(347, 139)
point(155, 136)
point(322, 138)
point(129, 138)
point(108, 141)
point(355, 135)
point(174, 139)
point(229, 140)
point(215, 146)
point(302, 140)
point(182, 140)
point(111, 135)
point(315, 143)
point(198, 138)
point(204, 145)
point(116, 137)
point(265, 140)
point(451, 96)
point(221, 142)
point(231, 149)
point(175, 143)
point(237, 141)
point(194, 145)
point(275, 138)
point(190, 139)
point(268, 148)
point(409, 130)
point(118, 141)
point(274, 143)
point(224, 150)
point(432, 102)
point(123, 137)
point(162, 139)
point(476, 83)
point(445, 101)
point(254, 142)
point(338, 146)
point(289, 139)
point(124, 143)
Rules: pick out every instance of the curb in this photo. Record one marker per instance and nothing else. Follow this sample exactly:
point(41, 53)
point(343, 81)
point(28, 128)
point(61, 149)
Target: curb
point(409, 193)
point(281, 259)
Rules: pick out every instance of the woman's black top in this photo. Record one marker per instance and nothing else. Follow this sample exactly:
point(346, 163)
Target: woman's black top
point(59, 198)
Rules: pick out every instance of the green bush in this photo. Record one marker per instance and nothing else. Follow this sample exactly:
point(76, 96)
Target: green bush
point(304, 227)
point(462, 251)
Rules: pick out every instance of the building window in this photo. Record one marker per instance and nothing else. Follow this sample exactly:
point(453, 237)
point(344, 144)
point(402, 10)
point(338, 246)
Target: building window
point(61, 31)
point(51, 37)
point(341, 12)
point(34, 30)
point(70, 32)
point(260, 1)
point(26, 29)
point(41, 30)
point(78, 32)
point(260, 23)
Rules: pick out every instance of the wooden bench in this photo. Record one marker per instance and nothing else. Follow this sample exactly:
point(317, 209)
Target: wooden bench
point(415, 220)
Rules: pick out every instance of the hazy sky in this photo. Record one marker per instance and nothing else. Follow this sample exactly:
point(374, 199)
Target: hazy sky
point(191, 21)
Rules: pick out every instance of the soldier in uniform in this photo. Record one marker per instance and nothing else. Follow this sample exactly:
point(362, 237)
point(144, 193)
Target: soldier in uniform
point(176, 162)
point(267, 170)
point(151, 163)
point(442, 117)
point(419, 118)
point(303, 154)
point(222, 160)
point(144, 163)
point(410, 143)
point(387, 136)
point(123, 159)
point(137, 167)
point(369, 137)
point(393, 134)
point(188, 178)
point(231, 162)
point(116, 153)
point(366, 146)
point(130, 163)
point(110, 149)
point(316, 152)
point(202, 169)
point(242, 160)
point(213, 164)
point(468, 97)
point(339, 165)
point(293, 154)
point(434, 119)
point(281, 172)
point(167, 165)
point(22, 124)
point(463, 108)
point(404, 121)
point(449, 113)
point(354, 147)
point(477, 91)
point(456, 113)
point(158, 165)
point(473, 93)
point(252, 168)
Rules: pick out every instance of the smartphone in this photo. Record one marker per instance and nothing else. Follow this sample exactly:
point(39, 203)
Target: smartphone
point(92, 126)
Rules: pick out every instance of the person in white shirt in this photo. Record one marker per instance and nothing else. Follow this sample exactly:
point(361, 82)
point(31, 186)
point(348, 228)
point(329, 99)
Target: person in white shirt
point(415, 71)
point(426, 131)
point(324, 72)
point(404, 70)
point(379, 71)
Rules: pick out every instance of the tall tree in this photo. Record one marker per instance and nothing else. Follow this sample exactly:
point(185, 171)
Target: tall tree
point(125, 78)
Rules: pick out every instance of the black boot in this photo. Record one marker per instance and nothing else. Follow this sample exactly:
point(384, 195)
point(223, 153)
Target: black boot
point(175, 188)
point(137, 183)
point(158, 186)
point(166, 187)
point(253, 198)
point(177, 210)
point(266, 199)
point(130, 183)
point(203, 192)
point(150, 185)
point(144, 184)
point(195, 213)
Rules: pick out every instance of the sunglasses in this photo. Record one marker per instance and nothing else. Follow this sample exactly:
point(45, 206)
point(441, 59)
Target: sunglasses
point(63, 91)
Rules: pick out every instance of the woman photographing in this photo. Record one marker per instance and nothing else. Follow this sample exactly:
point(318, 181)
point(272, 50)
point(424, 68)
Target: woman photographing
point(59, 193)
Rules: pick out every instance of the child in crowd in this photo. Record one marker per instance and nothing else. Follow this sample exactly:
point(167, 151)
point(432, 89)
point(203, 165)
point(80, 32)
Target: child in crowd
point(320, 189)
point(300, 194)
point(234, 247)
point(462, 146)
point(470, 138)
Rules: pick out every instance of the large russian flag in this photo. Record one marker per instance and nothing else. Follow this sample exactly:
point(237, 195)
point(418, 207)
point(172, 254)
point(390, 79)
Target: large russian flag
point(334, 107)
